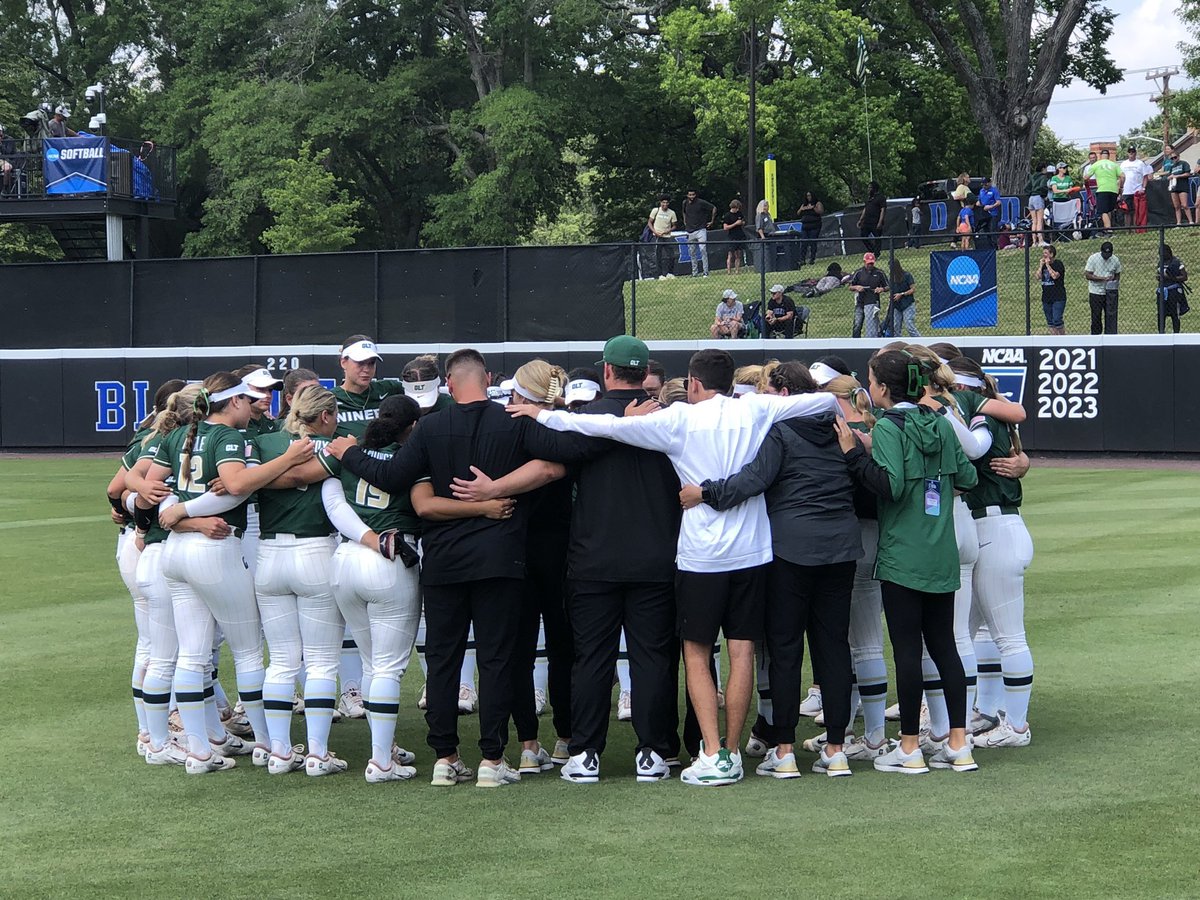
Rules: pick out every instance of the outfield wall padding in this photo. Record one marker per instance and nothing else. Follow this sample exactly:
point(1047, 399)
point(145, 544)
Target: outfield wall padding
point(1086, 394)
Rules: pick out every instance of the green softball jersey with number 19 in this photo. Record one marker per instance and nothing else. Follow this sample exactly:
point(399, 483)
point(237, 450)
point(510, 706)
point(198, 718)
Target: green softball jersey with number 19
point(215, 445)
point(916, 549)
point(297, 511)
point(379, 510)
point(355, 411)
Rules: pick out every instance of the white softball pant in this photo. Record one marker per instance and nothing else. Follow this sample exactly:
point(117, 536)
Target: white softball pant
point(381, 601)
point(127, 563)
point(299, 615)
point(866, 601)
point(1005, 552)
point(967, 537)
point(164, 645)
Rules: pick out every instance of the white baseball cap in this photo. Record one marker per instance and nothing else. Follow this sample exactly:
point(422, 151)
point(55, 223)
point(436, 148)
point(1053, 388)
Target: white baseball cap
point(729, 295)
point(264, 380)
point(777, 289)
point(581, 390)
point(424, 392)
point(361, 351)
point(822, 374)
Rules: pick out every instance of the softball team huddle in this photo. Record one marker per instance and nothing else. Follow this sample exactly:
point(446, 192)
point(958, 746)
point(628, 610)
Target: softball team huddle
point(899, 499)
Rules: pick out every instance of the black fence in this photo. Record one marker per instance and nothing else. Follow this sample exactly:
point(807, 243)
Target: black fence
point(132, 170)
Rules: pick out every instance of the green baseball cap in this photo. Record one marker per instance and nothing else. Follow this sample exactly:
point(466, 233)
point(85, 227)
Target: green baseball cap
point(624, 350)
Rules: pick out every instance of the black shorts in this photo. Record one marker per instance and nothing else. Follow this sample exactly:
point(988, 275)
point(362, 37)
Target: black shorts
point(1106, 202)
point(1181, 185)
point(710, 602)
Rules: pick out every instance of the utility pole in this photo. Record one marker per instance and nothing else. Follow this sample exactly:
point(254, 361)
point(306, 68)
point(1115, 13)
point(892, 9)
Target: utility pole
point(1163, 99)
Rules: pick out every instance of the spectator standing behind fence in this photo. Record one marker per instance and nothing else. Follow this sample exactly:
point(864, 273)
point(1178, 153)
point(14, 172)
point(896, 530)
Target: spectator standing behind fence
point(1135, 175)
point(58, 124)
point(989, 202)
point(8, 148)
point(780, 314)
point(1089, 181)
point(965, 227)
point(869, 285)
point(902, 310)
point(870, 221)
point(727, 323)
point(1050, 272)
point(1036, 189)
point(810, 213)
point(1178, 174)
point(734, 225)
point(767, 229)
point(698, 217)
point(662, 223)
point(1172, 295)
point(1108, 179)
point(1103, 274)
point(914, 225)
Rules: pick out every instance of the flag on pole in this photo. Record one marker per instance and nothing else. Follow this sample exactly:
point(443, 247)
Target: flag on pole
point(860, 64)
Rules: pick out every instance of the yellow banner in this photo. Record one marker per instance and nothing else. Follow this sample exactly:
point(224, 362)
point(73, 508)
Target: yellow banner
point(770, 190)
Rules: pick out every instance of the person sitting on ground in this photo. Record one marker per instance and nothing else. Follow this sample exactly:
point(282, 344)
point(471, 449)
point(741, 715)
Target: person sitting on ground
point(727, 323)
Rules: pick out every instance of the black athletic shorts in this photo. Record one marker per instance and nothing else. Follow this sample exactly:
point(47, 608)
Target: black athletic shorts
point(710, 602)
point(1106, 202)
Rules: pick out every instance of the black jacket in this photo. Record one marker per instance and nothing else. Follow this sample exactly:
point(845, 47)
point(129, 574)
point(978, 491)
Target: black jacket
point(444, 446)
point(625, 523)
point(809, 492)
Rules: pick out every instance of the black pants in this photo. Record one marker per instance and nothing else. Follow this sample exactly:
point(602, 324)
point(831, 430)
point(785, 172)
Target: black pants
point(813, 600)
point(911, 616)
point(1168, 310)
point(870, 246)
point(542, 598)
point(598, 610)
point(809, 243)
point(664, 255)
point(494, 605)
point(1104, 312)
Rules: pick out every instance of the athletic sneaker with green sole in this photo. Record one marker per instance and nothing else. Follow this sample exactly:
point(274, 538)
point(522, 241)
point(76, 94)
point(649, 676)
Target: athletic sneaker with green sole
point(711, 771)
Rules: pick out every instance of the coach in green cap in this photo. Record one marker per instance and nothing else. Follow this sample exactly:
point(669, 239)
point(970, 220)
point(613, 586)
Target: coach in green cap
point(626, 352)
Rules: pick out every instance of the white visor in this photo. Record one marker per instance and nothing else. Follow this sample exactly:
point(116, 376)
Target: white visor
point(240, 389)
point(500, 394)
point(361, 351)
point(424, 392)
point(582, 390)
point(264, 380)
point(740, 389)
point(968, 380)
point(822, 374)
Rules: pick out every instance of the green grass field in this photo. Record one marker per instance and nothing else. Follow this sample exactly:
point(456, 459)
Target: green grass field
point(1105, 803)
point(682, 308)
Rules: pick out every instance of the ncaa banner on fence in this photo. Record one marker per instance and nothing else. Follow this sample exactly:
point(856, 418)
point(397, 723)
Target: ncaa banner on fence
point(74, 165)
point(962, 289)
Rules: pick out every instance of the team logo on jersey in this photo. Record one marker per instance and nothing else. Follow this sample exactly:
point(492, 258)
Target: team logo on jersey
point(231, 448)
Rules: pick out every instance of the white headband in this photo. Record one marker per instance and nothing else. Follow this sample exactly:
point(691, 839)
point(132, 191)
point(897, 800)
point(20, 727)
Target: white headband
point(968, 380)
point(822, 374)
point(740, 389)
point(238, 390)
point(944, 361)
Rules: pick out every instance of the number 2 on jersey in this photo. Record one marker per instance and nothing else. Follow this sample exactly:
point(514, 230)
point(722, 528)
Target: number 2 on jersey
point(370, 496)
point(192, 481)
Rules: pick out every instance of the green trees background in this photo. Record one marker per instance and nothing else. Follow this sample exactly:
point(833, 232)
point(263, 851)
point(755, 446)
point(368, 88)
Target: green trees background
point(328, 124)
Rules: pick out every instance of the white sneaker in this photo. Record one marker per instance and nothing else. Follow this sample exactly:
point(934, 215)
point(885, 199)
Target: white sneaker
point(650, 766)
point(958, 760)
point(423, 703)
point(467, 699)
point(981, 722)
point(929, 744)
point(561, 754)
point(281, 765)
point(171, 754)
point(1004, 735)
point(496, 776)
point(350, 704)
point(720, 699)
point(297, 704)
point(402, 756)
point(896, 760)
point(534, 761)
point(624, 707)
point(215, 763)
point(143, 742)
point(775, 766)
point(756, 747)
point(710, 771)
point(239, 726)
point(260, 755)
point(735, 759)
point(811, 705)
point(862, 749)
point(231, 746)
point(925, 720)
point(833, 766)
point(892, 713)
point(539, 701)
point(583, 768)
point(376, 774)
point(447, 774)
point(174, 722)
point(316, 766)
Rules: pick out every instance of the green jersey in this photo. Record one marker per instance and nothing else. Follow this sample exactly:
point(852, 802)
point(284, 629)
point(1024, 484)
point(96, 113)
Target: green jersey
point(1060, 187)
point(355, 411)
point(1107, 173)
point(993, 489)
point(260, 426)
point(379, 510)
point(297, 511)
point(156, 534)
point(925, 463)
point(215, 445)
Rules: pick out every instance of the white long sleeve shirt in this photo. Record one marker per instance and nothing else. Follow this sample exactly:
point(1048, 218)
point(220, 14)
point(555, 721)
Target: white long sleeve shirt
point(711, 439)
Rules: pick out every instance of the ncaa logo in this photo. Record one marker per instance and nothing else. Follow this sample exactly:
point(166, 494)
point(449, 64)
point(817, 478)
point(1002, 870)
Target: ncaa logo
point(962, 275)
point(52, 154)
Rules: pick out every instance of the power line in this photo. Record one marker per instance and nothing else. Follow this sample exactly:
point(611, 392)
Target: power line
point(1105, 97)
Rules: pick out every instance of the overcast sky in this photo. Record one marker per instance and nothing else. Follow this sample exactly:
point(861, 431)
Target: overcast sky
point(1145, 36)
